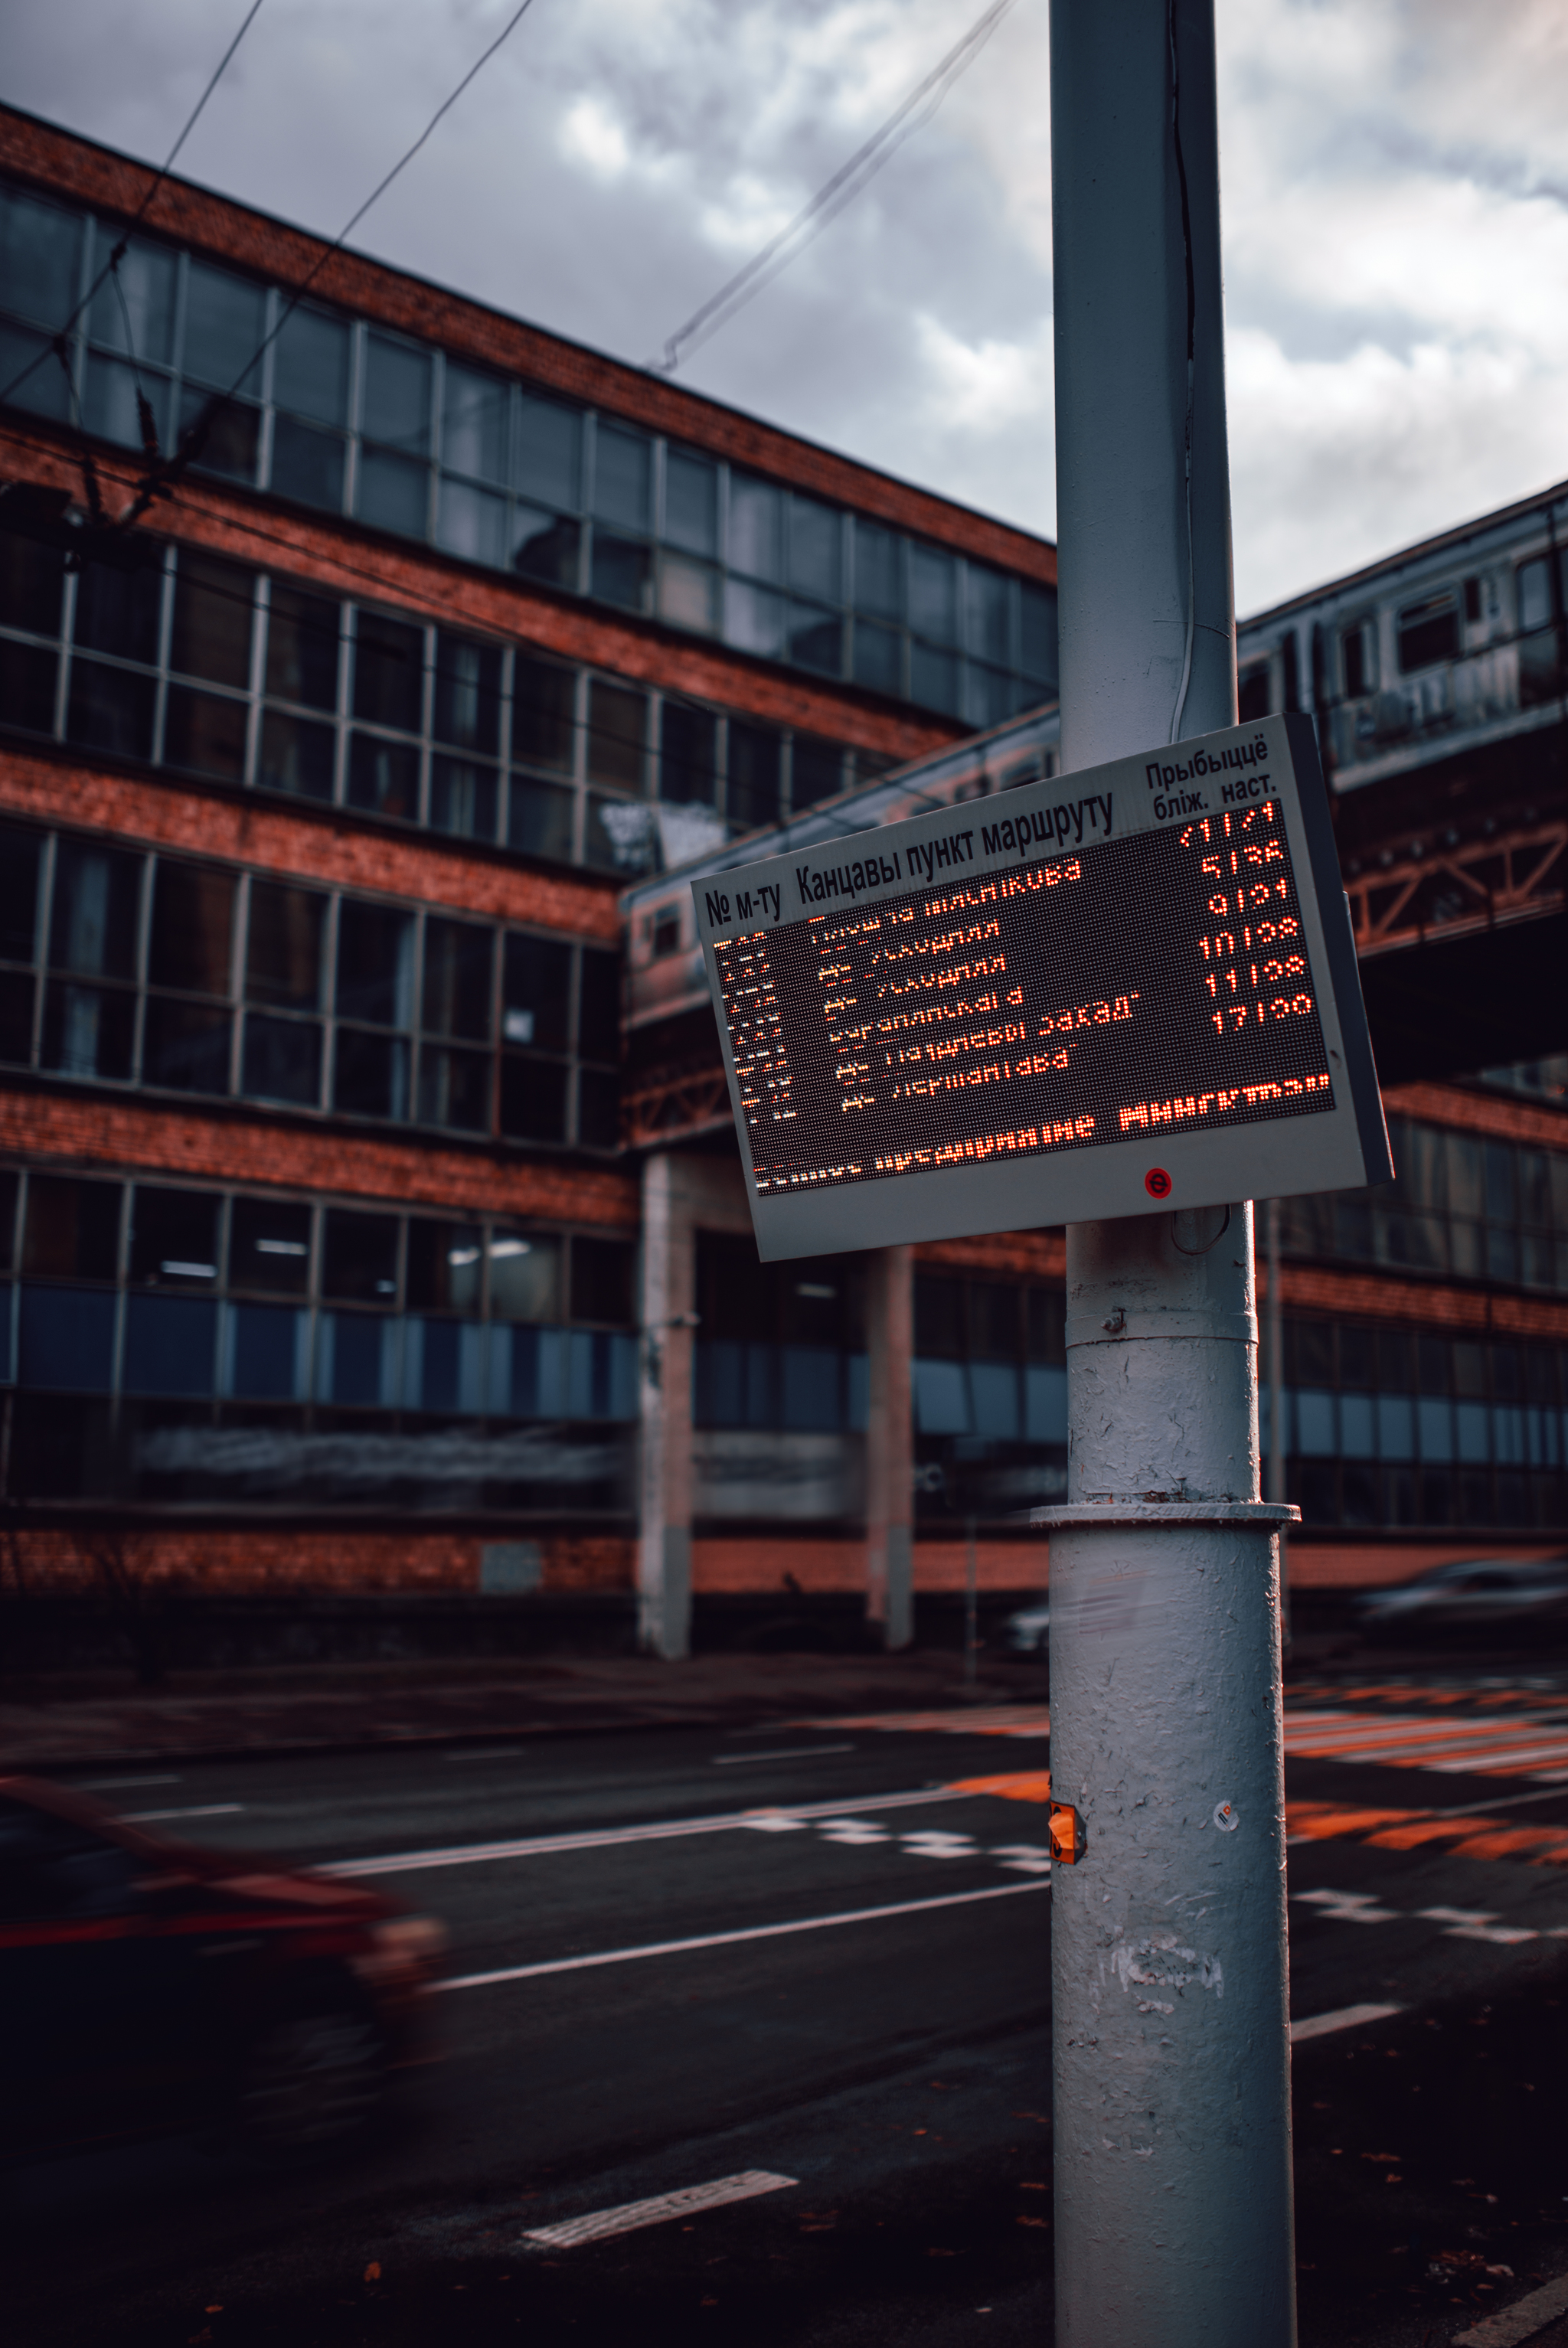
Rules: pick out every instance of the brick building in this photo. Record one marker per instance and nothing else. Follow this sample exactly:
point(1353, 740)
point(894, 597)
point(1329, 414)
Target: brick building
point(322, 770)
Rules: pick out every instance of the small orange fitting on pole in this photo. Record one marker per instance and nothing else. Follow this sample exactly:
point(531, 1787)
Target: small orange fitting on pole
point(1068, 1840)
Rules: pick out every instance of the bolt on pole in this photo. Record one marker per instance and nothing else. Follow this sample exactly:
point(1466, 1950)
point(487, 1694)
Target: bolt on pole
point(1171, 2055)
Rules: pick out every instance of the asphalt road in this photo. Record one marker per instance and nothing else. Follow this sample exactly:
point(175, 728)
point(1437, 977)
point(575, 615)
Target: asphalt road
point(822, 1955)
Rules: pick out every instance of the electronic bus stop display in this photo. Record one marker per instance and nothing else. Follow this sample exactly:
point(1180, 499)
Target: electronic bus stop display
point(1129, 988)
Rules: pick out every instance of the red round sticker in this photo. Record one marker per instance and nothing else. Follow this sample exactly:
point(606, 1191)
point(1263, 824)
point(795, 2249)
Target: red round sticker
point(1157, 1182)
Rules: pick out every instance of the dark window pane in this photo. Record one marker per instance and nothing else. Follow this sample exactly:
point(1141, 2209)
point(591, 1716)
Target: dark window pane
point(688, 754)
point(355, 1342)
point(15, 1016)
point(283, 951)
point(623, 476)
point(282, 1060)
point(471, 523)
point(310, 367)
point(174, 1237)
point(1045, 1334)
point(816, 638)
point(934, 679)
point(755, 535)
point(68, 1338)
point(463, 797)
point(307, 463)
point(542, 706)
point(1429, 631)
point(688, 594)
point(9, 1186)
point(87, 1031)
point(548, 450)
point(752, 796)
point(818, 772)
point(269, 1246)
point(359, 1257)
point(27, 674)
point(72, 1228)
point(601, 1280)
point(40, 258)
point(133, 309)
point(540, 821)
point(468, 693)
point(1038, 618)
point(110, 709)
point(93, 925)
point(986, 631)
point(383, 777)
point(599, 1017)
point(455, 1088)
point(458, 960)
point(474, 423)
point(371, 1075)
point(30, 577)
point(691, 502)
point(191, 928)
point(397, 396)
point(211, 632)
point(388, 672)
point(205, 733)
point(113, 405)
point(533, 1099)
point(994, 1322)
point(536, 993)
point(225, 319)
point(598, 1109)
point(296, 755)
point(302, 648)
point(117, 605)
point(445, 1261)
point(814, 544)
point(265, 1352)
point(623, 571)
point(932, 594)
point(878, 585)
point(32, 366)
point(879, 657)
point(224, 436)
point(186, 1046)
point(617, 728)
point(524, 1278)
point(19, 855)
point(168, 1345)
point(393, 492)
point(939, 1317)
point(1499, 1199)
point(546, 547)
point(374, 964)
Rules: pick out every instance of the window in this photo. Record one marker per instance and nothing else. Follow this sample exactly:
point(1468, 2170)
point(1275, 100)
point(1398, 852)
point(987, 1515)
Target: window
point(1428, 632)
point(1358, 649)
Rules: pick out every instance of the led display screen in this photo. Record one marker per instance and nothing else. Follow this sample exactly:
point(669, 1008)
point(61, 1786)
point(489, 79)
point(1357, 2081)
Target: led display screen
point(1031, 1008)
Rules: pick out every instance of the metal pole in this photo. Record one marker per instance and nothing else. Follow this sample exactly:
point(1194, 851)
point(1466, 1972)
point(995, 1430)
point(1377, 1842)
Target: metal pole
point(1277, 1407)
point(1170, 2044)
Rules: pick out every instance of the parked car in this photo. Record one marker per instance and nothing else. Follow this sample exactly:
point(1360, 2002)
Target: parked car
point(148, 1987)
point(1487, 1597)
point(1028, 1631)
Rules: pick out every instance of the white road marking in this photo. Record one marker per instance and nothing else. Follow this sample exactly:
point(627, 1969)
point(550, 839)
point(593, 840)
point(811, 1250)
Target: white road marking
point(1022, 1858)
point(743, 2187)
point(1346, 2017)
point(1459, 1923)
point(929, 1842)
point(854, 1832)
point(785, 1752)
point(729, 1940)
point(1512, 2325)
point(1347, 1907)
point(476, 1853)
point(201, 1811)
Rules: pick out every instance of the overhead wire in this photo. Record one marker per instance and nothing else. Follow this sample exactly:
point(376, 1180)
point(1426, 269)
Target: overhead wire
point(111, 267)
point(833, 196)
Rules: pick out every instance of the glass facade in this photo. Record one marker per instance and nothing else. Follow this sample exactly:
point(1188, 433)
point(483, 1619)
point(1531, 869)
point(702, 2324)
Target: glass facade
point(990, 1395)
point(345, 417)
point(166, 1342)
point(188, 977)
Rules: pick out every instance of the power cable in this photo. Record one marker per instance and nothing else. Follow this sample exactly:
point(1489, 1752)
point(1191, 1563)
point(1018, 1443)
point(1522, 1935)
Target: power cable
point(155, 483)
point(832, 197)
point(111, 266)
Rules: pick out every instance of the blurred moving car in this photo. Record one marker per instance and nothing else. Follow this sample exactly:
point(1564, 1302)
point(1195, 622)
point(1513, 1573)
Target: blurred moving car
point(1487, 1597)
point(1028, 1631)
point(146, 1986)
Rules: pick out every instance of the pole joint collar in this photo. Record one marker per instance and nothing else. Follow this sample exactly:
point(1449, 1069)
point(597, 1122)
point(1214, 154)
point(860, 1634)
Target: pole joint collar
point(1133, 1508)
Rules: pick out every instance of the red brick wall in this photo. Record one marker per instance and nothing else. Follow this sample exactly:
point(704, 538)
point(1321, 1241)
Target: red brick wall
point(1026, 1255)
point(1380, 1296)
point(92, 1134)
point(54, 158)
point(270, 1563)
point(1504, 1115)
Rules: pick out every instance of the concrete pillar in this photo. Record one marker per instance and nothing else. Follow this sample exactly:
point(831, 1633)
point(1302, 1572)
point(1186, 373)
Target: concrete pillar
point(668, 1312)
point(890, 1446)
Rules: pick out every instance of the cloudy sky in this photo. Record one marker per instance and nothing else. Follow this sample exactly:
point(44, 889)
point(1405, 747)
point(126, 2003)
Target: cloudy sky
point(1396, 192)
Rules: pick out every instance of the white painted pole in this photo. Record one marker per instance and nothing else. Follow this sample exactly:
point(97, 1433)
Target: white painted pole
point(1169, 2010)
